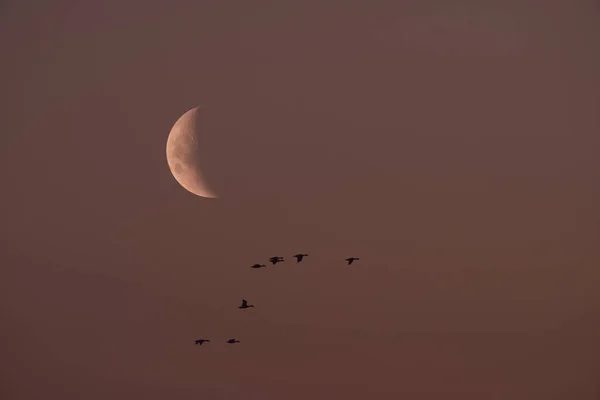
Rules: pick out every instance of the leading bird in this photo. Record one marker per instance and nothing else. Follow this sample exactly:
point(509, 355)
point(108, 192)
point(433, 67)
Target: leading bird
point(245, 304)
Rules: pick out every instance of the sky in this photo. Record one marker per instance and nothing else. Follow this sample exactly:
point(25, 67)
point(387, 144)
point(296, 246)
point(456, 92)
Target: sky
point(452, 146)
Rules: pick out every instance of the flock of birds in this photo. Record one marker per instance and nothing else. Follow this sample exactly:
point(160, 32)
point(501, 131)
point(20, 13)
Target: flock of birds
point(245, 305)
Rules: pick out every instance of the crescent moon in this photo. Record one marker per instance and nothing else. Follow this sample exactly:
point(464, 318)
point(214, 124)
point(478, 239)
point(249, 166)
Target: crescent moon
point(183, 154)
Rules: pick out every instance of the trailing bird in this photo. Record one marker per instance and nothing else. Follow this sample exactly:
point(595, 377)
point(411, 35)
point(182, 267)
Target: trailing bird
point(245, 304)
point(275, 260)
point(299, 257)
point(200, 342)
point(258, 266)
point(231, 341)
point(352, 259)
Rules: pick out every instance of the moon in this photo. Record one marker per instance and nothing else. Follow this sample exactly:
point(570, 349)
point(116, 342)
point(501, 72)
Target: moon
point(183, 154)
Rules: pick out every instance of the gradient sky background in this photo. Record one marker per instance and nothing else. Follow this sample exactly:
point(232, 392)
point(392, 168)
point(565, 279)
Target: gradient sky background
point(453, 146)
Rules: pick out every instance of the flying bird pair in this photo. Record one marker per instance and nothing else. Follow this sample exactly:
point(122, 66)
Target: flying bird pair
point(277, 259)
point(200, 342)
point(299, 257)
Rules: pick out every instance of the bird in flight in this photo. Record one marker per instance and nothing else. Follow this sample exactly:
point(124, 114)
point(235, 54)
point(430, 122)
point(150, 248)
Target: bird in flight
point(352, 259)
point(231, 341)
point(299, 257)
point(245, 304)
point(200, 342)
point(275, 260)
point(258, 266)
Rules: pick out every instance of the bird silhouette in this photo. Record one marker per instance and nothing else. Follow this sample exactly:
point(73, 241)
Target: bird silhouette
point(200, 342)
point(352, 259)
point(231, 341)
point(245, 304)
point(299, 257)
point(258, 266)
point(275, 260)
